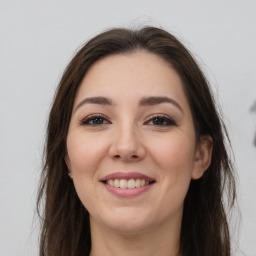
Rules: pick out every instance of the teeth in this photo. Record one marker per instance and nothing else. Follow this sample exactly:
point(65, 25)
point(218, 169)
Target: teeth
point(131, 183)
point(116, 183)
point(137, 183)
point(123, 183)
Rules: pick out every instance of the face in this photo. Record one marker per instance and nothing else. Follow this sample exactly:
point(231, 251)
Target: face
point(131, 143)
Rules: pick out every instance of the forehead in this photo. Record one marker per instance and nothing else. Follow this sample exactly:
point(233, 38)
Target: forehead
point(135, 75)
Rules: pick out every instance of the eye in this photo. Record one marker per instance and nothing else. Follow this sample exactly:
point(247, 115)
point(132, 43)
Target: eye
point(94, 120)
point(161, 120)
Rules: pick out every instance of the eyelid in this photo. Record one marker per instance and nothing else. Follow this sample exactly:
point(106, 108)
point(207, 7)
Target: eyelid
point(163, 116)
point(170, 121)
point(85, 120)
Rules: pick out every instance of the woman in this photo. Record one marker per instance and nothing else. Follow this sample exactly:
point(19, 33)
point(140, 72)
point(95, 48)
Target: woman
point(136, 162)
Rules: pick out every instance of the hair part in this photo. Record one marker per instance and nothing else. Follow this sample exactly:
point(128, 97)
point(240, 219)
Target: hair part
point(65, 222)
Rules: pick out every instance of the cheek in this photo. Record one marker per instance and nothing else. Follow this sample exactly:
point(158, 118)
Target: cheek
point(175, 161)
point(85, 153)
point(175, 155)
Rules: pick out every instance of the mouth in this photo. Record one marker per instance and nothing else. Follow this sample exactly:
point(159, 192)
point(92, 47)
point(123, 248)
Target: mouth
point(128, 183)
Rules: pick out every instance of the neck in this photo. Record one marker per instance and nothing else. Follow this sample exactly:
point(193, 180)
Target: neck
point(162, 240)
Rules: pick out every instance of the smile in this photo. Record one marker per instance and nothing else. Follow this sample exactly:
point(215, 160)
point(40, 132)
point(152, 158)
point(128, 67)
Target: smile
point(127, 184)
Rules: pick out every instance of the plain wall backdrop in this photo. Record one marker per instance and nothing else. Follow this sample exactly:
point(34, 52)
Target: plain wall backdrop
point(38, 38)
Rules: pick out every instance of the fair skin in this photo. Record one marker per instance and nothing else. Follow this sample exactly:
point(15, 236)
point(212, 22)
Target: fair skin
point(131, 118)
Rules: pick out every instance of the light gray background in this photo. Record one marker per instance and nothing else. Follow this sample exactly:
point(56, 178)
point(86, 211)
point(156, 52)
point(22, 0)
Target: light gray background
point(38, 39)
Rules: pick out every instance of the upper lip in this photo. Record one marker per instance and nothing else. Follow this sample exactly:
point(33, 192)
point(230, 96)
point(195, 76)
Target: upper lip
point(127, 176)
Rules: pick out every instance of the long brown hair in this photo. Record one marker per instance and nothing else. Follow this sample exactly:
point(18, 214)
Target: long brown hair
point(65, 222)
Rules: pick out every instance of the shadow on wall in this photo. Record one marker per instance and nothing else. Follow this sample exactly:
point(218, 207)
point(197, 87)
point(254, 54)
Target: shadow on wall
point(253, 109)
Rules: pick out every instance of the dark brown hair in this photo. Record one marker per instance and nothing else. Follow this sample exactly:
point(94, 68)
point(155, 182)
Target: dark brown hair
point(65, 222)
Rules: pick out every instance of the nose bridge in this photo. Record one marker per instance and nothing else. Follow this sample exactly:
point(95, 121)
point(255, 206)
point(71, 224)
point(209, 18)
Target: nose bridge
point(126, 143)
point(127, 135)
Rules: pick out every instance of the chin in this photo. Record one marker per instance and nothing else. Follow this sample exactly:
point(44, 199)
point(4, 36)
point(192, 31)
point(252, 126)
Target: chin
point(126, 221)
point(129, 227)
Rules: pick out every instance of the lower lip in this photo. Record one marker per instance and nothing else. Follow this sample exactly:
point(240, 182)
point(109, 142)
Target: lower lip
point(127, 192)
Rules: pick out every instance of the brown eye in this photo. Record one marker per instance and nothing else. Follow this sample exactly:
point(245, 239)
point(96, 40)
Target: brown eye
point(162, 121)
point(94, 120)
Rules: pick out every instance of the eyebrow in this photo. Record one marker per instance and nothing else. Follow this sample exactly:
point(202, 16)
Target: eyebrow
point(145, 101)
point(95, 100)
point(150, 101)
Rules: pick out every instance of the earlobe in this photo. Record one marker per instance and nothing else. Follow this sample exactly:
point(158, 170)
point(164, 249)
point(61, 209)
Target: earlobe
point(203, 156)
point(67, 161)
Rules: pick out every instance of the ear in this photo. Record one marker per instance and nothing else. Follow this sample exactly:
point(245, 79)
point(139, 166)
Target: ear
point(67, 161)
point(203, 156)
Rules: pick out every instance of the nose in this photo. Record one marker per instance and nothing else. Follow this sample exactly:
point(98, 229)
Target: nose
point(127, 145)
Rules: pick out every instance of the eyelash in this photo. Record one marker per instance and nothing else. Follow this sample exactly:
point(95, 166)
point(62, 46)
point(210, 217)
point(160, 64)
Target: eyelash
point(91, 118)
point(164, 120)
